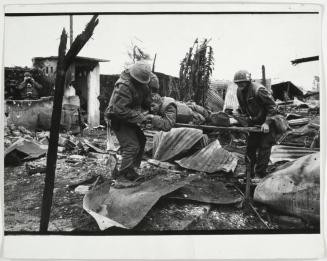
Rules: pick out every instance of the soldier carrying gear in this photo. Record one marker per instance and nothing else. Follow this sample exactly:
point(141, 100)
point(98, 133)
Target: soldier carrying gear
point(258, 105)
point(130, 97)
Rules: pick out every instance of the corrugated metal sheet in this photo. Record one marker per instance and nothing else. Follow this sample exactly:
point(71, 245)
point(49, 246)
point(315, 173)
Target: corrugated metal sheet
point(126, 207)
point(293, 189)
point(210, 159)
point(297, 122)
point(29, 148)
point(288, 153)
point(168, 145)
point(214, 102)
point(231, 101)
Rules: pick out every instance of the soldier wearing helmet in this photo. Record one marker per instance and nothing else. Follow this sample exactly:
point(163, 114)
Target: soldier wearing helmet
point(131, 96)
point(258, 105)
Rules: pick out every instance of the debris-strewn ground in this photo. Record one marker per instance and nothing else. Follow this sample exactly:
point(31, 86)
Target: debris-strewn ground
point(23, 196)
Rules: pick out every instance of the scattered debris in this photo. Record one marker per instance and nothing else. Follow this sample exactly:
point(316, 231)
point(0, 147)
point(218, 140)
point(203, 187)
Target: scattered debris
point(207, 191)
point(75, 158)
point(212, 158)
point(35, 167)
point(92, 147)
point(82, 189)
point(287, 222)
point(160, 164)
point(22, 150)
point(294, 189)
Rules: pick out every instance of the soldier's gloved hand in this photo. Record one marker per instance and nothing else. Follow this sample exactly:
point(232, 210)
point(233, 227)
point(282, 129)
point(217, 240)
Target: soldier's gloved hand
point(265, 128)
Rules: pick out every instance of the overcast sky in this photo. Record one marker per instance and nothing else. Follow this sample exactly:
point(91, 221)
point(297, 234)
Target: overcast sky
point(239, 41)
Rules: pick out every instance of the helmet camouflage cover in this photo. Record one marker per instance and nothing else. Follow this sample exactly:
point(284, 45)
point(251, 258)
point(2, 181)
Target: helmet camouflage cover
point(242, 76)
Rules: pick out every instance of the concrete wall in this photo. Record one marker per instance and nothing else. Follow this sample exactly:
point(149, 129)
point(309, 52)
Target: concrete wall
point(26, 112)
point(93, 84)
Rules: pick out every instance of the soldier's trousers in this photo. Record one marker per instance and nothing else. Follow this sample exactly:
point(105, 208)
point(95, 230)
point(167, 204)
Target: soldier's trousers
point(258, 150)
point(132, 142)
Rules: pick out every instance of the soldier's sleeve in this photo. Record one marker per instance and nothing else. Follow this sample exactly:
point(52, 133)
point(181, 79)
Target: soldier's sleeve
point(37, 85)
point(21, 86)
point(167, 121)
point(267, 101)
point(122, 106)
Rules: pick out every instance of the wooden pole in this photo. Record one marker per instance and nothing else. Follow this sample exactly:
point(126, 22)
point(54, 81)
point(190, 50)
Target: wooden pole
point(54, 135)
point(71, 33)
point(216, 128)
point(64, 61)
point(154, 62)
point(264, 82)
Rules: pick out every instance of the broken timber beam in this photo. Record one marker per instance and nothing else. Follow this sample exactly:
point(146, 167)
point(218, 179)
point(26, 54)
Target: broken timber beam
point(305, 59)
point(64, 61)
point(216, 128)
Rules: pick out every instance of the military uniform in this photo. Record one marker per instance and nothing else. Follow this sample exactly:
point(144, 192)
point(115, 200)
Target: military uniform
point(167, 113)
point(125, 112)
point(257, 103)
point(29, 90)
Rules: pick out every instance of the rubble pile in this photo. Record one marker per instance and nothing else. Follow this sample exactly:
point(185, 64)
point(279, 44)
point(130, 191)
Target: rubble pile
point(190, 178)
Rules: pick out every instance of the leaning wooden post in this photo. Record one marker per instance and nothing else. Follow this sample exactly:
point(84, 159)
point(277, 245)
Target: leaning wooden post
point(64, 61)
point(54, 135)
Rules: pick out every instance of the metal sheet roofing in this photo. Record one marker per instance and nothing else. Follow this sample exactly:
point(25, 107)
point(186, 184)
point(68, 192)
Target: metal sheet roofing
point(126, 207)
point(288, 153)
point(294, 188)
point(78, 58)
point(214, 102)
point(210, 159)
point(168, 145)
point(29, 148)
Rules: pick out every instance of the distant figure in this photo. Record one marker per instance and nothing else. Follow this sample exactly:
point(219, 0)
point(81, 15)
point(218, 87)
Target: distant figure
point(28, 89)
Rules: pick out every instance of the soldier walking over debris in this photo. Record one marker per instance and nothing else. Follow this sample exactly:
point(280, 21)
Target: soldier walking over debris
point(28, 89)
point(259, 107)
point(130, 97)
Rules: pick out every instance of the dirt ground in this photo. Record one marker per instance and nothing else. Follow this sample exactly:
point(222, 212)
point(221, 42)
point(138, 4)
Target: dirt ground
point(23, 196)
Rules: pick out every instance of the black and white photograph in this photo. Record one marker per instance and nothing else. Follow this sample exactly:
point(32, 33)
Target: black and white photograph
point(162, 122)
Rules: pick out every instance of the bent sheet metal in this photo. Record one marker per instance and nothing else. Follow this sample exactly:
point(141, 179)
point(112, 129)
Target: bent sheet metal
point(168, 145)
point(288, 153)
point(294, 188)
point(210, 159)
point(126, 207)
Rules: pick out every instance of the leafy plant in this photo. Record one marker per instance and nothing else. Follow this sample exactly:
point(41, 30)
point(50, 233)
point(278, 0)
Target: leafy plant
point(195, 71)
